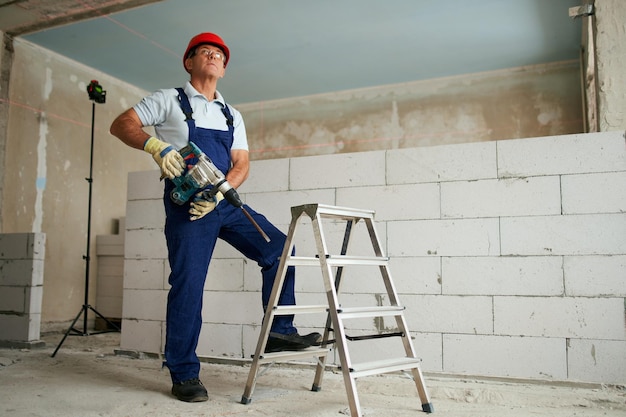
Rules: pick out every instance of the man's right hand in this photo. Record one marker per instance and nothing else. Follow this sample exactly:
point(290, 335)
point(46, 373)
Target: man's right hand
point(166, 157)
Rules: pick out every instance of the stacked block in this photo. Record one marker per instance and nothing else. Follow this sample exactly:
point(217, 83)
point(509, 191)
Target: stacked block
point(21, 288)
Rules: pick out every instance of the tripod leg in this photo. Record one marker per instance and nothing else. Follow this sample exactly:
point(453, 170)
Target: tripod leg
point(116, 328)
point(83, 310)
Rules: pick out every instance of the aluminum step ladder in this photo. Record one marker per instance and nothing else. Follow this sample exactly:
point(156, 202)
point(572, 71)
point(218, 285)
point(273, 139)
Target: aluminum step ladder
point(332, 266)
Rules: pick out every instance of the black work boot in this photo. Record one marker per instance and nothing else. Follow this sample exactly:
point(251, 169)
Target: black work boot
point(191, 391)
point(277, 342)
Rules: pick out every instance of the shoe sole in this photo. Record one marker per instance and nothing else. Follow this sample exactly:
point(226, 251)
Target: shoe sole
point(195, 399)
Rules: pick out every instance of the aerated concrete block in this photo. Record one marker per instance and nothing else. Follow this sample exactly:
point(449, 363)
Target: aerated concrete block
point(462, 237)
point(517, 357)
point(340, 170)
point(585, 234)
point(504, 197)
point(594, 193)
point(567, 154)
point(574, 317)
point(462, 162)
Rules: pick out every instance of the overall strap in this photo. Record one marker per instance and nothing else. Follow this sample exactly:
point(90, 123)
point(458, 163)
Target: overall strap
point(229, 117)
point(186, 107)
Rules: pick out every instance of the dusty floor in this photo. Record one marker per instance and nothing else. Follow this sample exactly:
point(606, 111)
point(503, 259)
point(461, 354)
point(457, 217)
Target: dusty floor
point(86, 378)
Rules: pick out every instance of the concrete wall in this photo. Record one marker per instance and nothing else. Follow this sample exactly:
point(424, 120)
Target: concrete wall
point(524, 102)
point(509, 255)
point(611, 59)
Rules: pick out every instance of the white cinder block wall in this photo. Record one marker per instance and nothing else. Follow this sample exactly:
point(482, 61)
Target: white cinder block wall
point(510, 256)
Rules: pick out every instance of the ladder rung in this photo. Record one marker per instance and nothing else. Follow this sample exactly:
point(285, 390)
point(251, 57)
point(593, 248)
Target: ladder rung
point(298, 309)
point(290, 355)
point(364, 337)
point(384, 366)
point(303, 260)
point(378, 311)
point(339, 260)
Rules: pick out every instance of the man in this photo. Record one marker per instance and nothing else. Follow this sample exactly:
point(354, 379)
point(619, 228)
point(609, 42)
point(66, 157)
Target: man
point(199, 113)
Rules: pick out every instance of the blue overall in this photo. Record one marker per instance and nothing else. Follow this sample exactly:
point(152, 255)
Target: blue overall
point(190, 246)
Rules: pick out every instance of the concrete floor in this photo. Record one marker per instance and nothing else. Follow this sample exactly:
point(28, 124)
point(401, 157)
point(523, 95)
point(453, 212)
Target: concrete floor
point(86, 378)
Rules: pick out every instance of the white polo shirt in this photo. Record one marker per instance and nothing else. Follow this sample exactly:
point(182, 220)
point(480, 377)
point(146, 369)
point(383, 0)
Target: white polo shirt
point(162, 110)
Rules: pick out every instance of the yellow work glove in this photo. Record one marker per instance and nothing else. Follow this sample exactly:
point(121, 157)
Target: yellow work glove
point(203, 204)
point(166, 157)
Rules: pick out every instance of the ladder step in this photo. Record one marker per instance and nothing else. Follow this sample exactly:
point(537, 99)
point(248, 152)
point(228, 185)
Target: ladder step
point(378, 311)
point(298, 309)
point(324, 210)
point(291, 355)
point(384, 366)
point(339, 260)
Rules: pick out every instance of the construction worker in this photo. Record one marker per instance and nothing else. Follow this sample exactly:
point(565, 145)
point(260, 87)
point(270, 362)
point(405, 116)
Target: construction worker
point(199, 113)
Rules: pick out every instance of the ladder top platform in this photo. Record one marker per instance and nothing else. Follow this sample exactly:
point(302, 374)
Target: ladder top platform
point(312, 210)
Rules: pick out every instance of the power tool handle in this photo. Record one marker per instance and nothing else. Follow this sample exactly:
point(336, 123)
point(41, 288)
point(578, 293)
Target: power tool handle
point(233, 198)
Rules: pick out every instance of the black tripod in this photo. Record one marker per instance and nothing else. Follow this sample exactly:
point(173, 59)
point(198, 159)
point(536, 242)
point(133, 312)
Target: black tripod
point(97, 95)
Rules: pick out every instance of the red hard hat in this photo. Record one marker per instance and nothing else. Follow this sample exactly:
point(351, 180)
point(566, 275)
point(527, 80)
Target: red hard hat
point(204, 38)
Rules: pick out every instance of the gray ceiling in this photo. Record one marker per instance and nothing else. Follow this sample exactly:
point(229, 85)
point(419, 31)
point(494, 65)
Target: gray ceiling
point(287, 48)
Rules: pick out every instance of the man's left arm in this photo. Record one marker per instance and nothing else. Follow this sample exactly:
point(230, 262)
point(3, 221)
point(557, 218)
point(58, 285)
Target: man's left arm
point(240, 169)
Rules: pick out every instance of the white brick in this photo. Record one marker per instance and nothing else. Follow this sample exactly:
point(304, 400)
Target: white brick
point(539, 275)
point(110, 307)
point(441, 163)
point(449, 314)
point(34, 326)
point(223, 250)
point(14, 246)
point(467, 237)
point(145, 185)
point(145, 214)
point(21, 272)
point(22, 245)
point(397, 202)
point(220, 340)
point(34, 300)
point(375, 349)
point(142, 336)
point(590, 318)
point(145, 244)
point(13, 300)
point(518, 357)
point(416, 275)
point(250, 338)
point(16, 327)
point(602, 361)
point(429, 348)
point(145, 274)
point(251, 276)
point(341, 170)
point(145, 304)
point(505, 197)
point(225, 275)
point(595, 275)
point(268, 175)
point(594, 193)
point(232, 308)
point(568, 154)
point(584, 234)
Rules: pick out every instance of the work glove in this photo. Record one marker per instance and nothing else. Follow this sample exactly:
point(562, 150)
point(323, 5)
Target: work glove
point(166, 157)
point(203, 204)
